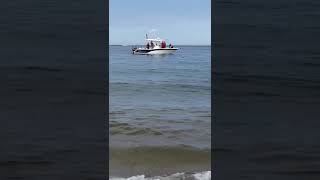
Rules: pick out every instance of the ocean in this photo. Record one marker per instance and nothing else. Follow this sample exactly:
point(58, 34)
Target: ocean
point(160, 113)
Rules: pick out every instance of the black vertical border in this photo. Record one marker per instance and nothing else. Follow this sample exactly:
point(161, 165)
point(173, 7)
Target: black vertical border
point(19, 46)
point(212, 85)
point(292, 153)
point(107, 93)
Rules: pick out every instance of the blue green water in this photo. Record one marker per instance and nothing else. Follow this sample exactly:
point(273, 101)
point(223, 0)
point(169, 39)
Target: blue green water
point(161, 102)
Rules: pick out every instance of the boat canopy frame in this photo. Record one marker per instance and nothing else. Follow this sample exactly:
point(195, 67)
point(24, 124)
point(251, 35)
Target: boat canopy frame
point(155, 40)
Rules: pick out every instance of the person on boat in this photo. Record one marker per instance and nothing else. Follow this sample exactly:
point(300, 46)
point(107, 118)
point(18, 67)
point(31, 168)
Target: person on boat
point(148, 46)
point(152, 45)
point(170, 46)
point(163, 44)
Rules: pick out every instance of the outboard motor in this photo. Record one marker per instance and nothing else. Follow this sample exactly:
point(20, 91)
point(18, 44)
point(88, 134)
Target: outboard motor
point(133, 49)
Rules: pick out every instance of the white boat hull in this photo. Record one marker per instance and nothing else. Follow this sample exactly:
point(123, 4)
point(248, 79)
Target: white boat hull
point(155, 51)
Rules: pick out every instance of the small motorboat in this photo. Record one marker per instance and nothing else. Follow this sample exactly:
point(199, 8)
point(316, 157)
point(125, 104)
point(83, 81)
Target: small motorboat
point(154, 46)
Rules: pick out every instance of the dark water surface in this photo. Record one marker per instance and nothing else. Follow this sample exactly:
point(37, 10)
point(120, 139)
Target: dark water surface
point(160, 112)
point(53, 76)
point(266, 90)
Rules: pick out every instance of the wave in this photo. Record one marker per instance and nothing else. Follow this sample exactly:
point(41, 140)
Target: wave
point(115, 86)
point(126, 129)
point(205, 175)
point(182, 128)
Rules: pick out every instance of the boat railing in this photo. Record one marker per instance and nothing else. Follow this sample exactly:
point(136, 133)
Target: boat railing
point(144, 47)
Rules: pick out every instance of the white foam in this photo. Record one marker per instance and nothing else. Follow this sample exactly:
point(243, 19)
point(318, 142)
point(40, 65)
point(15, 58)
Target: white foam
point(206, 175)
point(203, 175)
point(140, 177)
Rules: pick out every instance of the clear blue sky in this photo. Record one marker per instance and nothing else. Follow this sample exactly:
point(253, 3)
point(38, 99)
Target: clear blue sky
point(181, 22)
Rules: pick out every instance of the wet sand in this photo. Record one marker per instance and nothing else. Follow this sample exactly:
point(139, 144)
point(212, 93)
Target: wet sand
point(157, 161)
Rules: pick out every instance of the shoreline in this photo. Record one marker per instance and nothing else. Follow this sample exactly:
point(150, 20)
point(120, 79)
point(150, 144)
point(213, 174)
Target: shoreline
point(157, 161)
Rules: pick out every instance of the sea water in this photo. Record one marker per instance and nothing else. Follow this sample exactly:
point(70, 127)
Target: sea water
point(160, 113)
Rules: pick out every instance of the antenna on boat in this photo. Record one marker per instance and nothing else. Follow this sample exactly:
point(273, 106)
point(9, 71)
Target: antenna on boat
point(146, 36)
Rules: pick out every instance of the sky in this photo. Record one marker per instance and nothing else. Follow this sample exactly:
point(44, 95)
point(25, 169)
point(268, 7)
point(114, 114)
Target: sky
point(180, 22)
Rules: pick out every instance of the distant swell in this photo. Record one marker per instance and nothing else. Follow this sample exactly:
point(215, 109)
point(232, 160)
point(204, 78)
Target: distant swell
point(163, 86)
point(126, 129)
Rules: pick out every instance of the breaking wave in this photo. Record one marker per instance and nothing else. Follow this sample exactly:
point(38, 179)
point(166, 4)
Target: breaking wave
point(206, 175)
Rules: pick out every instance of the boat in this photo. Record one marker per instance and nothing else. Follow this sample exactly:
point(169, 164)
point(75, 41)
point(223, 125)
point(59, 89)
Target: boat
point(154, 46)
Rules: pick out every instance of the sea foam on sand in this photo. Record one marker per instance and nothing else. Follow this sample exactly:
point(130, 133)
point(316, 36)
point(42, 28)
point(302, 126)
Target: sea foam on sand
point(206, 175)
